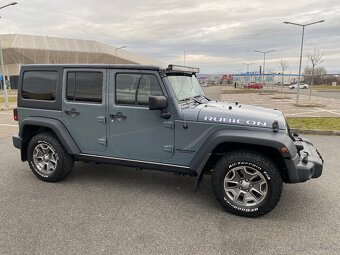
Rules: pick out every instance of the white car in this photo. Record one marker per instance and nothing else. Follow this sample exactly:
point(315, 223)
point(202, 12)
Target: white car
point(302, 86)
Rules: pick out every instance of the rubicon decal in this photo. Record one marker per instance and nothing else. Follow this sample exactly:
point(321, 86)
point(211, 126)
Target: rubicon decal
point(236, 121)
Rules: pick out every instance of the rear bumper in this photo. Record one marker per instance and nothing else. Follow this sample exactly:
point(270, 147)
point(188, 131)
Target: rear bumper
point(17, 142)
point(307, 164)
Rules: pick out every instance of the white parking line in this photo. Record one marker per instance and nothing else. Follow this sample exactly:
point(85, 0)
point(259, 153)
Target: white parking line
point(8, 125)
point(329, 111)
point(310, 112)
point(301, 113)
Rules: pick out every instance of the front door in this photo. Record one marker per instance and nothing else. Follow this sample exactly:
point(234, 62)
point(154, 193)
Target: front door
point(84, 111)
point(135, 131)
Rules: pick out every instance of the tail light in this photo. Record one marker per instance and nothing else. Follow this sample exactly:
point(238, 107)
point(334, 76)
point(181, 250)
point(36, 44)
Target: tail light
point(15, 114)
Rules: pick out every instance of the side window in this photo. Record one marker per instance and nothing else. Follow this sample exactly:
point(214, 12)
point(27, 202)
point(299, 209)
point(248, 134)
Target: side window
point(39, 85)
point(84, 86)
point(135, 89)
point(148, 86)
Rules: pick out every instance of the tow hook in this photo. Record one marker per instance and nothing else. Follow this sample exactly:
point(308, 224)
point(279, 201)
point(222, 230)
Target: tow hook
point(305, 158)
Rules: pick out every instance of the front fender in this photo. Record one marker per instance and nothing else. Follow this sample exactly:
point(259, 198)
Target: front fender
point(260, 138)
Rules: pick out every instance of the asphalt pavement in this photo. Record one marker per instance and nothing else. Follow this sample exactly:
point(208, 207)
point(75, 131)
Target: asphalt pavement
point(103, 209)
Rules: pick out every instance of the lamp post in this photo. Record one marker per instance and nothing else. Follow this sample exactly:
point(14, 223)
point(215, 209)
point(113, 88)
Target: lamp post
point(248, 64)
point(119, 49)
point(3, 65)
point(303, 34)
point(264, 63)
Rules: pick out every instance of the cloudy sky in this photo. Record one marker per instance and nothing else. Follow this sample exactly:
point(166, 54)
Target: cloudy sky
point(217, 36)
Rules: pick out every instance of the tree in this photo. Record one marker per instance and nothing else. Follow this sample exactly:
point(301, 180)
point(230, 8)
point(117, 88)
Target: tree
point(315, 59)
point(319, 74)
point(284, 65)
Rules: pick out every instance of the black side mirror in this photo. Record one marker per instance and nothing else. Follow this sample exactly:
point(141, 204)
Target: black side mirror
point(157, 102)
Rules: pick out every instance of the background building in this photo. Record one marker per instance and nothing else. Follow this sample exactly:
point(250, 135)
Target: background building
point(271, 78)
point(21, 49)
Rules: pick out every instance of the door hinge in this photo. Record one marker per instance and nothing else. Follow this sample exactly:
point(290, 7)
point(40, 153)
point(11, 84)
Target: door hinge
point(169, 124)
point(101, 119)
point(169, 148)
point(102, 140)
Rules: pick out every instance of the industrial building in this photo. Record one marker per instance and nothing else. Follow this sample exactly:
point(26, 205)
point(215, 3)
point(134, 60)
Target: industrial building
point(271, 78)
point(19, 49)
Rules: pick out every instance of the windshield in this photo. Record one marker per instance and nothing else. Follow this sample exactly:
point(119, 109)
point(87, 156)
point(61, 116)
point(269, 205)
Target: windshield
point(185, 86)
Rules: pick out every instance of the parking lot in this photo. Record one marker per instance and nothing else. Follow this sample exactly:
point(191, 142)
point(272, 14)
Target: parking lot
point(103, 209)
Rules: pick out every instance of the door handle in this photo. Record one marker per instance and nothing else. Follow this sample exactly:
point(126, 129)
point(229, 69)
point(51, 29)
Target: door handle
point(72, 112)
point(119, 116)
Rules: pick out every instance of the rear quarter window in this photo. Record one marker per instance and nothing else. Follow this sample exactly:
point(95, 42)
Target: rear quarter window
point(39, 85)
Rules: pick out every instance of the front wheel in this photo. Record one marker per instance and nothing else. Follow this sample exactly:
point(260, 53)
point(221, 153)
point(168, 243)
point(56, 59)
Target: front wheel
point(48, 159)
point(247, 183)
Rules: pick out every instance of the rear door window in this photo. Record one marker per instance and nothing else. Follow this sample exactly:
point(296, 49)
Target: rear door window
point(84, 87)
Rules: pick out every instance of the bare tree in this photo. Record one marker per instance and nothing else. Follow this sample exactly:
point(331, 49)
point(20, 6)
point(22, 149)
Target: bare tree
point(319, 74)
point(315, 59)
point(284, 65)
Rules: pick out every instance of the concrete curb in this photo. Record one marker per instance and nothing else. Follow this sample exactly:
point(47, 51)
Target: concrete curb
point(316, 132)
point(11, 107)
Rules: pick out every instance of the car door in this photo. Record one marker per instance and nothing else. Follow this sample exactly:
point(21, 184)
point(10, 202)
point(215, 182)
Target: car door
point(135, 132)
point(84, 111)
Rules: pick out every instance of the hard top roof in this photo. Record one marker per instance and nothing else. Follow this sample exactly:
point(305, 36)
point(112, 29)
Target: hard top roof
point(170, 69)
point(118, 66)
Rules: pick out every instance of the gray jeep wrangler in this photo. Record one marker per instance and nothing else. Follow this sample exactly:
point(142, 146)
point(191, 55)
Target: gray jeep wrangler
point(152, 118)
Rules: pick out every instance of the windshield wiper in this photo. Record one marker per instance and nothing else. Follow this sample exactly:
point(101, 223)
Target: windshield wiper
point(202, 96)
point(190, 98)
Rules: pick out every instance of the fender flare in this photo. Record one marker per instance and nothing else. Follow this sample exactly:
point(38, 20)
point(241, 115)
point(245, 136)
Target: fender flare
point(259, 138)
point(57, 127)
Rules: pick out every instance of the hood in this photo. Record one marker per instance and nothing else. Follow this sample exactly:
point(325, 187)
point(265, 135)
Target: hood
point(240, 114)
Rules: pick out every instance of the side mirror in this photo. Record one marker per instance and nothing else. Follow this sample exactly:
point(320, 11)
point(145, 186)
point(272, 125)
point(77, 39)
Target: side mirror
point(157, 102)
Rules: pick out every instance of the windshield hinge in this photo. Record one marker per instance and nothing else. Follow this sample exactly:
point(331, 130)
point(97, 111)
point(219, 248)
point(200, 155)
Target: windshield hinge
point(169, 124)
point(168, 148)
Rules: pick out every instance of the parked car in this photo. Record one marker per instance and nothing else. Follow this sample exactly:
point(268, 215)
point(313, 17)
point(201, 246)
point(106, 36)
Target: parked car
point(253, 85)
point(302, 86)
point(148, 117)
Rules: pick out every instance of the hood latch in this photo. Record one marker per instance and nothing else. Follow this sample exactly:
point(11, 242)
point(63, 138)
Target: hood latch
point(275, 126)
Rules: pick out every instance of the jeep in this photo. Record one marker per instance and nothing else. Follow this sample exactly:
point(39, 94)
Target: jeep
point(149, 117)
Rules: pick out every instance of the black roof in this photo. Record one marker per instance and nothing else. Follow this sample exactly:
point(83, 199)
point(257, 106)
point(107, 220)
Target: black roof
point(104, 66)
point(118, 66)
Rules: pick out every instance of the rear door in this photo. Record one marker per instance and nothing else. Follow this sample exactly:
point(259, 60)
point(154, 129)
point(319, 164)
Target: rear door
point(83, 107)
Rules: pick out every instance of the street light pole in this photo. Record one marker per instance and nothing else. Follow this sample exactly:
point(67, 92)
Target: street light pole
point(119, 49)
point(248, 64)
point(264, 63)
point(3, 65)
point(303, 34)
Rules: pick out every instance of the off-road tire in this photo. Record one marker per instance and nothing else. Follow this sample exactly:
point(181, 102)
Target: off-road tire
point(257, 161)
point(65, 161)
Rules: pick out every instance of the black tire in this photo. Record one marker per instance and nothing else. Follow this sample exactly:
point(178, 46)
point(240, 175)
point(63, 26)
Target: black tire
point(64, 161)
point(257, 163)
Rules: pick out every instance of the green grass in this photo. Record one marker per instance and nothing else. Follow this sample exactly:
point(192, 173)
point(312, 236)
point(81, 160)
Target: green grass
point(10, 99)
point(315, 123)
point(248, 91)
point(327, 87)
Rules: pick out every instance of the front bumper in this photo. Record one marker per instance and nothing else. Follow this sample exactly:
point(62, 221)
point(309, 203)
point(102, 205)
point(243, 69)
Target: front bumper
point(307, 163)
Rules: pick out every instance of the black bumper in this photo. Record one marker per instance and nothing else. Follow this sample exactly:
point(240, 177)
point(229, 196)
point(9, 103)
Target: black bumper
point(307, 163)
point(17, 142)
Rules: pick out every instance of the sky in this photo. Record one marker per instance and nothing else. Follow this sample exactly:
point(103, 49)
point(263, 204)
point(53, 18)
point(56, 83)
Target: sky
point(217, 36)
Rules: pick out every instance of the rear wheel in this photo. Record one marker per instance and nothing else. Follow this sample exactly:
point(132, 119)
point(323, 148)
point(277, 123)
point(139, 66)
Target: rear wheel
point(48, 159)
point(247, 183)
